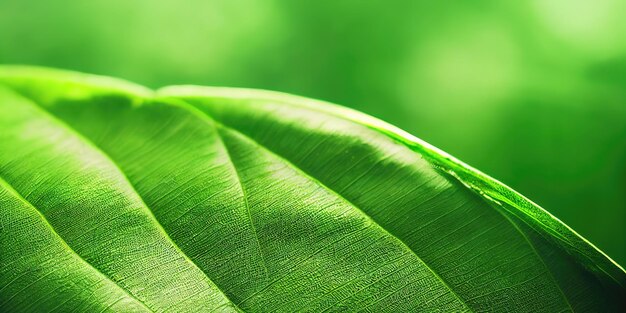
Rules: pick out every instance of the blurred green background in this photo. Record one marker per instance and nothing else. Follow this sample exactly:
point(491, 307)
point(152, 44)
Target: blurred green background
point(530, 92)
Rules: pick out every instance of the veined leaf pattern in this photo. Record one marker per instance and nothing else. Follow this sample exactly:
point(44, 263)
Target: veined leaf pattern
point(193, 199)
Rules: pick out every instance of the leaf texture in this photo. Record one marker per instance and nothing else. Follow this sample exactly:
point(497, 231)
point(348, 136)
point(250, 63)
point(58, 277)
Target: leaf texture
point(195, 199)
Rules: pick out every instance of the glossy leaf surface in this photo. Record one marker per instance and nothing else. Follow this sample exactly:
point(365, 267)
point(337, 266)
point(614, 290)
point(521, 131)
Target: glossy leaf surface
point(192, 199)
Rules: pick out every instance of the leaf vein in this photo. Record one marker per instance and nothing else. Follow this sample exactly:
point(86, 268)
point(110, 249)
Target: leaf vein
point(341, 197)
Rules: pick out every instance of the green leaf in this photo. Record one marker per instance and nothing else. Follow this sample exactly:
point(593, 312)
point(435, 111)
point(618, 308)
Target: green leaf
point(194, 199)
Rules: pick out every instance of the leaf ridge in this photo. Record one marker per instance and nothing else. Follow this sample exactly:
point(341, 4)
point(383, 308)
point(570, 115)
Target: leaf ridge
point(181, 104)
point(10, 188)
point(245, 199)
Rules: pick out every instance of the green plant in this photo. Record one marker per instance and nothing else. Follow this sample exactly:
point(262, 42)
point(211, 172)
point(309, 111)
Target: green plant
point(115, 197)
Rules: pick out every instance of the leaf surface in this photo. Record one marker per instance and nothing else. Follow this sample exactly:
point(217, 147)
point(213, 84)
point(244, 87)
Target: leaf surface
point(115, 197)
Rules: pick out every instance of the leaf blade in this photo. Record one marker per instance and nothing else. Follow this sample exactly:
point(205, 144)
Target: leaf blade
point(497, 249)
